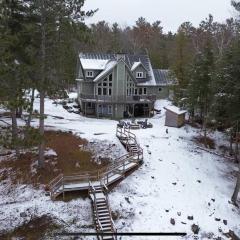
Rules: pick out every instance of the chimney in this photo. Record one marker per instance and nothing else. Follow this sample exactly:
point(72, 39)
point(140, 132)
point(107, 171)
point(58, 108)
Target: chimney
point(120, 56)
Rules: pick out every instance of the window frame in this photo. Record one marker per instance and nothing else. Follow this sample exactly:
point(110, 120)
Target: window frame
point(88, 74)
point(139, 75)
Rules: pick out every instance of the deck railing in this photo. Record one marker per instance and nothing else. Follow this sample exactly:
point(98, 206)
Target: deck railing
point(119, 98)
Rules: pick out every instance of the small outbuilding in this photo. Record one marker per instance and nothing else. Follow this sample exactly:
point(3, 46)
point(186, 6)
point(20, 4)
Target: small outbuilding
point(175, 117)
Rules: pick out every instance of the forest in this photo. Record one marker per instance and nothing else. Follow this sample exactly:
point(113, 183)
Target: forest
point(40, 41)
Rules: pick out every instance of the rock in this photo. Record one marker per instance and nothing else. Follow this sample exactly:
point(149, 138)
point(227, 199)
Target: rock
point(217, 219)
point(213, 199)
point(183, 223)
point(23, 214)
point(209, 204)
point(166, 210)
point(174, 183)
point(179, 214)
point(225, 222)
point(127, 199)
point(140, 212)
point(172, 221)
point(199, 181)
point(147, 146)
point(190, 217)
point(149, 152)
point(195, 228)
point(152, 177)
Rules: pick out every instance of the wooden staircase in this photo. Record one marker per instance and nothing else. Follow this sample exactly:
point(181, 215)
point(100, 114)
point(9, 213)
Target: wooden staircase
point(129, 141)
point(105, 227)
point(97, 182)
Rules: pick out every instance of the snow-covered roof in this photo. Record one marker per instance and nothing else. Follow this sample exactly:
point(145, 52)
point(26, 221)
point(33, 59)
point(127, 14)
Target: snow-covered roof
point(97, 61)
point(110, 65)
point(135, 65)
point(94, 64)
point(175, 109)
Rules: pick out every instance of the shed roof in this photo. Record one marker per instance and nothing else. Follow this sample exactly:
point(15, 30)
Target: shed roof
point(175, 109)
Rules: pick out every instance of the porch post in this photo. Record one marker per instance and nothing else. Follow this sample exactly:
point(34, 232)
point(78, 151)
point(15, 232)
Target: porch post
point(97, 110)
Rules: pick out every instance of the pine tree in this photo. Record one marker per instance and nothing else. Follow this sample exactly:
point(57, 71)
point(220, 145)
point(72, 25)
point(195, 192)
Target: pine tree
point(14, 62)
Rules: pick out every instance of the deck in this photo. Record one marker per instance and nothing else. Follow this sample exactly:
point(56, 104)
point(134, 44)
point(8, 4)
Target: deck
point(97, 182)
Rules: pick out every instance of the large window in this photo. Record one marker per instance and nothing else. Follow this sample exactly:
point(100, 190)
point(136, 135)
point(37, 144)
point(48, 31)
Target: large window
point(130, 86)
point(104, 88)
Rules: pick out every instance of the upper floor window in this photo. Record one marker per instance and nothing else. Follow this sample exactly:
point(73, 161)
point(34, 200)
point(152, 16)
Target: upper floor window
point(139, 74)
point(89, 74)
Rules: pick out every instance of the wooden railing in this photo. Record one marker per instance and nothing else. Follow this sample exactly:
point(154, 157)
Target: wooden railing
point(128, 138)
point(118, 98)
point(103, 175)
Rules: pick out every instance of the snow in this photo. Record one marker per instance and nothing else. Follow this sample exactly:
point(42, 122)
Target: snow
point(93, 64)
point(110, 65)
point(135, 65)
point(175, 109)
point(177, 180)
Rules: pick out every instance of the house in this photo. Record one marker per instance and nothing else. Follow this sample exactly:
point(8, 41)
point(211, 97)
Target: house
point(119, 85)
point(175, 117)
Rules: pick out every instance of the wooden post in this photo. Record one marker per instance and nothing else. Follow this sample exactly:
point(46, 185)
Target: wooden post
point(63, 188)
point(97, 110)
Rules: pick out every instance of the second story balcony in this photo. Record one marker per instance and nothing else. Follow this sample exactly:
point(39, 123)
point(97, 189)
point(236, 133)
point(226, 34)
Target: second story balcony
point(118, 98)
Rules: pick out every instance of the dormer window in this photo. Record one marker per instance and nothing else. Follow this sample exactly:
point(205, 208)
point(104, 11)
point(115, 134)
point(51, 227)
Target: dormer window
point(89, 74)
point(139, 74)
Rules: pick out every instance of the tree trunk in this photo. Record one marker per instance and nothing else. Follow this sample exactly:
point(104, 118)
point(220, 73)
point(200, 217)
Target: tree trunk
point(42, 84)
point(41, 132)
point(231, 144)
point(15, 132)
point(237, 188)
point(31, 109)
point(205, 124)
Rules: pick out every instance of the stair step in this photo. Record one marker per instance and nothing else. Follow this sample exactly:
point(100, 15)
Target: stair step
point(101, 203)
point(107, 230)
point(105, 222)
point(102, 218)
point(103, 214)
point(103, 211)
point(101, 208)
point(107, 238)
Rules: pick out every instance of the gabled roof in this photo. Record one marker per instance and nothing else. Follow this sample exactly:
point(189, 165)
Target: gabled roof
point(109, 66)
point(129, 59)
point(163, 77)
point(137, 64)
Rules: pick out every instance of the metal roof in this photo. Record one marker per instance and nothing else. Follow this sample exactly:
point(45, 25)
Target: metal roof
point(163, 77)
point(129, 59)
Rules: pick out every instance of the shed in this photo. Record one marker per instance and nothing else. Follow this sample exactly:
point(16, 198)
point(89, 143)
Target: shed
point(175, 117)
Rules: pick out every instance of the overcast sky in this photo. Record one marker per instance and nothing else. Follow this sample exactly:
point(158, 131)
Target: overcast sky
point(170, 12)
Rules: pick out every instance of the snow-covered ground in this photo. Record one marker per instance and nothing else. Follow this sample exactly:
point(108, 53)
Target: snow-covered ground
point(177, 181)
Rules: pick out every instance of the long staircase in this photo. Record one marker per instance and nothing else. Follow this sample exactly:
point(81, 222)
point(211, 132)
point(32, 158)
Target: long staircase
point(105, 227)
point(97, 182)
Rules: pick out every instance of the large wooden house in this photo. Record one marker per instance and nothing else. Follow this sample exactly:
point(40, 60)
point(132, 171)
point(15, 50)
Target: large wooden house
point(119, 85)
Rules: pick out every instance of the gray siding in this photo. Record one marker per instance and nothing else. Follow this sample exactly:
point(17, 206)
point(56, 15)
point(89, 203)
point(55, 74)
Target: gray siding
point(95, 73)
point(164, 93)
point(140, 69)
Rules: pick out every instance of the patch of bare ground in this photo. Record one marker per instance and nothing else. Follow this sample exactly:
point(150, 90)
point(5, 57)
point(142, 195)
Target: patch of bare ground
point(36, 228)
point(208, 142)
point(70, 159)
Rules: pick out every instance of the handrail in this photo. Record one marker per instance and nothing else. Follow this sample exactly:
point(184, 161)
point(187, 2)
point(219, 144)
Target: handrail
point(104, 172)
